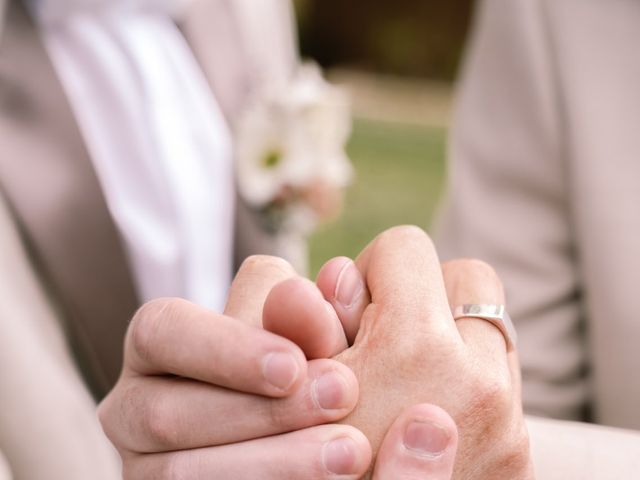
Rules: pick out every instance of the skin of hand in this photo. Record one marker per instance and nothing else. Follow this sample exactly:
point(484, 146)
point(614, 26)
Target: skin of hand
point(406, 348)
point(204, 395)
point(324, 199)
point(199, 390)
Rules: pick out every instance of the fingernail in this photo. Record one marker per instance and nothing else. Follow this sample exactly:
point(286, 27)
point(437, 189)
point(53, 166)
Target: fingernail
point(280, 370)
point(339, 456)
point(350, 285)
point(329, 391)
point(426, 438)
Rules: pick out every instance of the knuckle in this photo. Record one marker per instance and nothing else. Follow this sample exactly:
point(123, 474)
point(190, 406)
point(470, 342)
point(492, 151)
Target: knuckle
point(472, 280)
point(518, 456)
point(148, 321)
point(471, 267)
point(132, 403)
point(481, 268)
point(159, 423)
point(492, 398)
point(265, 263)
point(515, 455)
point(404, 233)
point(104, 410)
point(106, 416)
point(115, 412)
point(408, 237)
point(492, 414)
point(493, 392)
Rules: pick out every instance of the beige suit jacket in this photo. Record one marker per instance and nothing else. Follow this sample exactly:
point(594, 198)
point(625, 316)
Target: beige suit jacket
point(544, 185)
point(63, 272)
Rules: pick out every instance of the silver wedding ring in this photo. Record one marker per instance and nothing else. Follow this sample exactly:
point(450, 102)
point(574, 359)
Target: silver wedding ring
point(494, 314)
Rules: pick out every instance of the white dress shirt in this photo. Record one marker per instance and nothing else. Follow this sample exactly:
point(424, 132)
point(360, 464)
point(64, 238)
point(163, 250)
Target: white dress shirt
point(158, 141)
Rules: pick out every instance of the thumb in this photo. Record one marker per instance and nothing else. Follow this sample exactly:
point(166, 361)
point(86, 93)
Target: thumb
point(343, 286)
point(421, 443)
point(295, 309)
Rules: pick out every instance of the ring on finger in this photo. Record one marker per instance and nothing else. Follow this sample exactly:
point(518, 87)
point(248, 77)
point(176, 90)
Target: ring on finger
point(492, 313)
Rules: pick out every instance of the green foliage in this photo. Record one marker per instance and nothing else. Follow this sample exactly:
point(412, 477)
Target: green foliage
point(422, 38)
point(400, 172)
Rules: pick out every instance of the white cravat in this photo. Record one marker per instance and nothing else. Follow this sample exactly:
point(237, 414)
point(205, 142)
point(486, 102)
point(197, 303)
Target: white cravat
point(158, 141)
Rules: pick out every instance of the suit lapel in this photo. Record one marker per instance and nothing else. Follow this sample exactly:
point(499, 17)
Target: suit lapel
point(267, 30)
point(212, 30)
point(241, 45)
point(47, 177)
point(3, 9)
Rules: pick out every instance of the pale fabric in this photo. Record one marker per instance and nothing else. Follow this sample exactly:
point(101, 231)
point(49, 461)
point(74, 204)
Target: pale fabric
point(48, 425)
point(5, 472)
point(265, 67)
point(544, 185)
point(578, 451)
point(158, 141)
point(60, 10)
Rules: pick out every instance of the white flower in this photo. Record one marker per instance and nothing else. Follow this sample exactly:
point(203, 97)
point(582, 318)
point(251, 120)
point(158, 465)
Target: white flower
point(292, 137)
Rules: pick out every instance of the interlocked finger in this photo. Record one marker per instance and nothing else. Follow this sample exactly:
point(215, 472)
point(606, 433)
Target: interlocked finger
point(158, 421)
point(327, 452)
point(255, 279)
point(472, 282)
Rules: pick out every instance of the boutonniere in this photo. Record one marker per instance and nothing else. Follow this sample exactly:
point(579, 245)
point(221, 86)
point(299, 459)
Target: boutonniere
point(290, 147)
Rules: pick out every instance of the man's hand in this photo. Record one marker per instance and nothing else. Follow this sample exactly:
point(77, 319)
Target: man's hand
point(198, 388)
point(408, 349)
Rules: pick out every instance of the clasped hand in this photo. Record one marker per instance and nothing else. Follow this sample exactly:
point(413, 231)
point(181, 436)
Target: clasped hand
point(256, 392)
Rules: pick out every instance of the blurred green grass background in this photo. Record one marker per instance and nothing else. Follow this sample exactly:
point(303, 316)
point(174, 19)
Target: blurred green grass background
point(399, 178)
point(398, 60)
